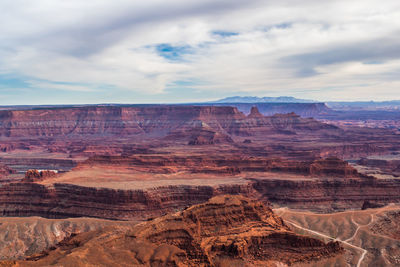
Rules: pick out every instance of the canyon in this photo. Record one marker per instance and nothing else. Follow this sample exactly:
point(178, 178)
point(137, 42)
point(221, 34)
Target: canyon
point(135, 164)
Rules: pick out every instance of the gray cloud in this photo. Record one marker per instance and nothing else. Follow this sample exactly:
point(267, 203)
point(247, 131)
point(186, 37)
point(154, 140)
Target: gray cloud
point(94, 32)
point(369, 52)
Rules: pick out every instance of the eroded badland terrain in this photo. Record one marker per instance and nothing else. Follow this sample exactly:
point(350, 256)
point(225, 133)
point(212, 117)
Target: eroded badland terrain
point(199, 185)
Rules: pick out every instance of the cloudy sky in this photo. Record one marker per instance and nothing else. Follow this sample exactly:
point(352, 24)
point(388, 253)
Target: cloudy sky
point(124, 51)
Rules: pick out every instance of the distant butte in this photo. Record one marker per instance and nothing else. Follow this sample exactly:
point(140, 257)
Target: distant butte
point(254, 113)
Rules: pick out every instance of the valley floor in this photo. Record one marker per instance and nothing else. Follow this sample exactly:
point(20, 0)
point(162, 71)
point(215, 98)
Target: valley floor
point(371, 237)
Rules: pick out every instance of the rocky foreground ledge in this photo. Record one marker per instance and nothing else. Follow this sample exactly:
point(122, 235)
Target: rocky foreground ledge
point(225, 231)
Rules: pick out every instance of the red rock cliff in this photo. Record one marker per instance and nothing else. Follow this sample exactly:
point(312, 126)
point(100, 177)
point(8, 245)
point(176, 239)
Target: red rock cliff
point(122, 121)
point(65, 200)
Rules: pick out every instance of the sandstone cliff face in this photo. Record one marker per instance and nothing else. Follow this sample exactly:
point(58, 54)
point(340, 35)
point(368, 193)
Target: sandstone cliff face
point(116, 130)
point(351, 150)
point(198, 133)
point(99, 120)
point(61, 200)
point(391, 167)
point(125, 121)
point(225, 231)
point(66, 200)
point(290, 124)
point(225, 164)
point(329, 195)
point(333, 167)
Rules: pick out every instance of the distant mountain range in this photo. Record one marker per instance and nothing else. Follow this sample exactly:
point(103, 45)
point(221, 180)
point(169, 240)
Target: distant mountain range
point(365, 105)
point(339, 105)
point(255, 99)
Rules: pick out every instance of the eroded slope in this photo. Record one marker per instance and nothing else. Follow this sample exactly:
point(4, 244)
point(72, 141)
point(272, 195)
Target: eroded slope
point(226, 231)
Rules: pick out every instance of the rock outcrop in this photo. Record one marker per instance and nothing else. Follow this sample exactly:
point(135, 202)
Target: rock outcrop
point(254, 113)
point(206, 137)
point(226, 231)
point(5, 170)
point(286, 124)
point(333, 167)
point(38, 175)
point(388, 225)
point(198, 133)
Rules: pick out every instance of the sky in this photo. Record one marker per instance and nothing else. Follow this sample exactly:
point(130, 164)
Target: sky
point(124, 51)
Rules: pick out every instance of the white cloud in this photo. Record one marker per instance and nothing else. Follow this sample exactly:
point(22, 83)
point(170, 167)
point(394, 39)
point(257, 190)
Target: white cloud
point(58, 86)
point(111, 44)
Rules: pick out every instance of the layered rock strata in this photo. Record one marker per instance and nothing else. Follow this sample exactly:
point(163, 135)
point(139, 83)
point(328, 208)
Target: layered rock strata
point(329, 195)
point(83, 131)
point(225, 164)
point(67, 200)
point(391, 167)
point(155, 120)
point(225, 231)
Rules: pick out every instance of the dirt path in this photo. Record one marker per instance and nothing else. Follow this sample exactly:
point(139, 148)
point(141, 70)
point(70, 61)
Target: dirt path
point(364, 251)
point(360, 226)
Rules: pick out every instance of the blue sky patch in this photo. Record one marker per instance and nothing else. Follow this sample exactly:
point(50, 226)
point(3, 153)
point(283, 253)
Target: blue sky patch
point(283, 25)
point(225, 33)
point(11, 81)
point(171, 52)
point(373, 62)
